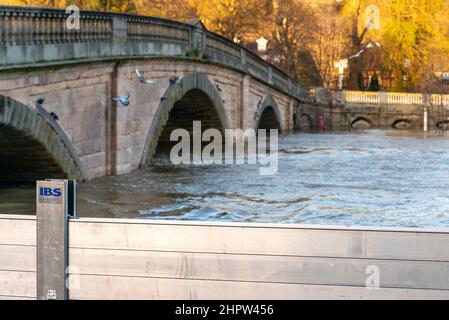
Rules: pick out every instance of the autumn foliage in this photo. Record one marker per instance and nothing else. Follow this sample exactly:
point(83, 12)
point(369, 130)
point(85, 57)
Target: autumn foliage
point(306, 37)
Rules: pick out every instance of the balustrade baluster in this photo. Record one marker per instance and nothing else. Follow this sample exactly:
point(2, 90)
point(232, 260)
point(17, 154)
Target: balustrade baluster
point(36, 23)
point(68, 33)
point(2, 28)
point(25, 28)
point(19, 28)
point(105, 30)
point(100, 29)
point(42, 29)
point(84, 29)
point(14, 28)
point(93, 31)
point(54, 27)
point(61, 27)
point(97, 30)
point(89, 29)
point(9, 29)
point(57, 29)
point(45, 28)
point(28, 30)
point(133, 28)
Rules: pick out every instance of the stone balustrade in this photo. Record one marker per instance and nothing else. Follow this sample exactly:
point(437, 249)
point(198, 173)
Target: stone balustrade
point(28, 26)
point(394, 98)
point(31, 36)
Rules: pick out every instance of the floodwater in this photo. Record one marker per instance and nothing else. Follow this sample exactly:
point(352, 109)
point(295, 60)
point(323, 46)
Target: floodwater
point(371, 178)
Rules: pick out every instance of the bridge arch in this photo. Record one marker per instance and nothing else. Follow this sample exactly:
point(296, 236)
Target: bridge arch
point(305, 123)
point(442, 125)
point(361, 123)
point(175, 111)
point(401, 124)
point(268, 115)
point(33, 146)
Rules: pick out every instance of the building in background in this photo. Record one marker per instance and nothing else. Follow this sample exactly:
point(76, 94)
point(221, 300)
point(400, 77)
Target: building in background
point(366, 70)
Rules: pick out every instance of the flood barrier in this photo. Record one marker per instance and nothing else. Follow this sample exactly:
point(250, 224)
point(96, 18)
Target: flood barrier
point(144, 259)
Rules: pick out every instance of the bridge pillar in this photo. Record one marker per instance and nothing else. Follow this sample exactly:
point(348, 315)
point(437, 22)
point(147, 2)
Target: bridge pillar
point(289, 119)
point(270, 75)
point(198, 37)
point(426, 99)
point(119, 29)
point(119, 34)
point(243, 57)
point(244, 108)
point(383, 97)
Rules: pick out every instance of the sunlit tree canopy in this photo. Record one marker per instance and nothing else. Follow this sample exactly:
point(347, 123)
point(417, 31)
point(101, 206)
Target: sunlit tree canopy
point(306, 37)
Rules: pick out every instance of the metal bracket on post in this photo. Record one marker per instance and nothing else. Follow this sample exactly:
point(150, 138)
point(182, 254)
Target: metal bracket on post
point(55, 203)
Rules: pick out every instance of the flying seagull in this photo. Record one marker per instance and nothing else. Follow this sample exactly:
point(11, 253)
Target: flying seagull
point(358, 54)
point(123, 100)
point(142, 78)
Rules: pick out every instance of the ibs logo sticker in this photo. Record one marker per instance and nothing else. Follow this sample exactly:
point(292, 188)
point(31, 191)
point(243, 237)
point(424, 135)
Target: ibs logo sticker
point(50, 195)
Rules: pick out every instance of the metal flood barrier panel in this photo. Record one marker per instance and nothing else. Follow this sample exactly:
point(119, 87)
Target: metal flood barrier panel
point(17, 257)
point(141, 259)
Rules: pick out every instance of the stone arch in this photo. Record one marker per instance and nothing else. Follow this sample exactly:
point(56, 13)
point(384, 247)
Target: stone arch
point(191, 87)
point(361, 123)
point(268, 115)
point(442, 125)
point(402, 124)
point(33, 146)
point(305, 123)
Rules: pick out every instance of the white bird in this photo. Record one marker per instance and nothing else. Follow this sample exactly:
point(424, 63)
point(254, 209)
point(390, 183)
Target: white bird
point(358, 54)
point(142, 78)
point(123, 100)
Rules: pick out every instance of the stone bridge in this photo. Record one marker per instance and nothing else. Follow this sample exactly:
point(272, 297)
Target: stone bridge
point(348, 110)
point(78, 131)
point(58, 118)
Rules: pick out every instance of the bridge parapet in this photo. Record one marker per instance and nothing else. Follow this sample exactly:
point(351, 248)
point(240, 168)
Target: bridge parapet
point(33, 36)
point(391, 98)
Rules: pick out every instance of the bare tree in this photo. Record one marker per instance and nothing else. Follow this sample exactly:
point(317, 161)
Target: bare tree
point(291, 20)
point(329, 42)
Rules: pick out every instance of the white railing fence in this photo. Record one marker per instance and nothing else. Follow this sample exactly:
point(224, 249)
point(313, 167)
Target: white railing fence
point(396, 98)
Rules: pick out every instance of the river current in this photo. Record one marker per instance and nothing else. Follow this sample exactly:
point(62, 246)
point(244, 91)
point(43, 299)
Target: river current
point(371, 178)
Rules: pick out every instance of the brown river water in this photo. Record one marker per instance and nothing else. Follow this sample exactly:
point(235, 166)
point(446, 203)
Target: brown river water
point(372, 178)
